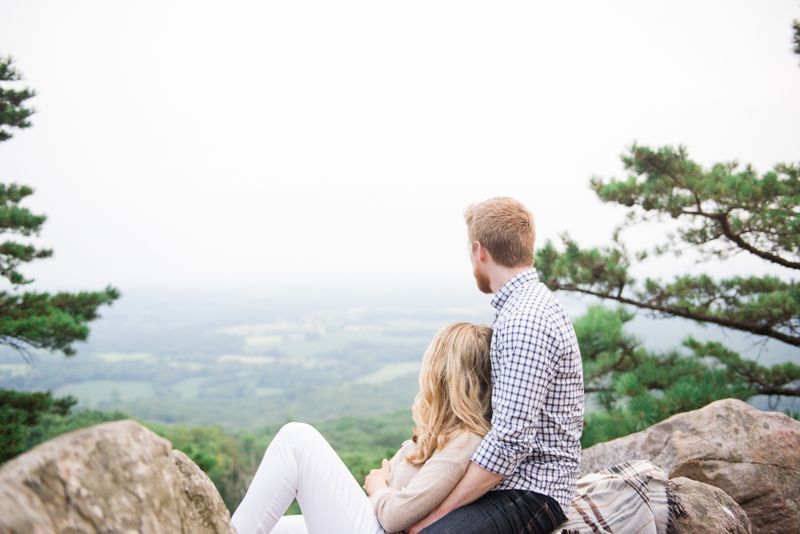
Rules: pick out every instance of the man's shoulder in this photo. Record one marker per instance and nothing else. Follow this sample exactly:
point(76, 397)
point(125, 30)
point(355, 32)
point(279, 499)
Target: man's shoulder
point(533, 301)
point(535, 312)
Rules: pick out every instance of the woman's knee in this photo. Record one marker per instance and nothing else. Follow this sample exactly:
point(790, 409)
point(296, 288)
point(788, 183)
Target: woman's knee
point(298, 431)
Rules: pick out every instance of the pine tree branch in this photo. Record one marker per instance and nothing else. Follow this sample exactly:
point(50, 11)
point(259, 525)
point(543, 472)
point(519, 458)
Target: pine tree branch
point(724, 224)
point(796, 27)
point(590, 389)
point(764, 306)
point(55, 322)
point(772, 390)
point(18, 346)
point(700, 317)
point(36, 320)
point(780, 379)
point(12, 113)
point(724, 207)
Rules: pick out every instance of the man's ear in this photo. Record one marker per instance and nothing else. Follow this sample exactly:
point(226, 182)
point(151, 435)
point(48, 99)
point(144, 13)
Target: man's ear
point(481, 256)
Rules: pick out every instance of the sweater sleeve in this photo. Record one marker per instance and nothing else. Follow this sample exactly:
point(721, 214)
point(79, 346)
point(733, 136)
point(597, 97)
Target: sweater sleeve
point(399, 508)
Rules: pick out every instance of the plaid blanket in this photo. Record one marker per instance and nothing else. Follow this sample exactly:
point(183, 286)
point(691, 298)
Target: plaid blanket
point(632, 497)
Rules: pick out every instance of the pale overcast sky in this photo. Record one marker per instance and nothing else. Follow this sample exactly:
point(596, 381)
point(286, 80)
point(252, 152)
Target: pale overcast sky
point(231, 143)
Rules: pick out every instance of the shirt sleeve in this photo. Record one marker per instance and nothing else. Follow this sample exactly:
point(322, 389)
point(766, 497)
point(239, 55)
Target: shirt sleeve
point(398, 509)
point(525, 350)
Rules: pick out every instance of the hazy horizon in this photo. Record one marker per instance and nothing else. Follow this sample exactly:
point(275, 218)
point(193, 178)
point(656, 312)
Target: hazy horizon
point(229, 166)
point(212, 308)
point(215, 143)
point(244, 359)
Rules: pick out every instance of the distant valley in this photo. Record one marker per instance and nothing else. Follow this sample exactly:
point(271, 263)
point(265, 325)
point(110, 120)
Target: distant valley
point(259, 358)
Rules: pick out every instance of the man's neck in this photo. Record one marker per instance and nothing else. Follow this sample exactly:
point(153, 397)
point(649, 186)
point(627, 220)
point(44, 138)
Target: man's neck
point(500, 274)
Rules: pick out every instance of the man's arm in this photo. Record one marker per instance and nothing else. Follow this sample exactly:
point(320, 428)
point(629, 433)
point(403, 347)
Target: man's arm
point(519, 388)
point(474, 484)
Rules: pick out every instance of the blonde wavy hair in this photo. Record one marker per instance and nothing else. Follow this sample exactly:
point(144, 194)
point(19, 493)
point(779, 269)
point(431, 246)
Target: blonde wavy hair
point(455, 389)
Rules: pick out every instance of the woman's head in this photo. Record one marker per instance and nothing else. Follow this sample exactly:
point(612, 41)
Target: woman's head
point(455, 388)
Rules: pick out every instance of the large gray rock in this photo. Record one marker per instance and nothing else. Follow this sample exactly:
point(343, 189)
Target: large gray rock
point(751, 455)
point(113, 477)
point(707, 510)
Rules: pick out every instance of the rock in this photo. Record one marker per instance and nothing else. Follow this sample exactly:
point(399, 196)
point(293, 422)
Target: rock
point(707, 510)
point(113, 477)
point(751, 455)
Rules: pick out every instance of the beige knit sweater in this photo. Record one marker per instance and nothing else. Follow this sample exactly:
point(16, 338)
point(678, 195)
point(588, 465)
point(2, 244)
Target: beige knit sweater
point(414, 492)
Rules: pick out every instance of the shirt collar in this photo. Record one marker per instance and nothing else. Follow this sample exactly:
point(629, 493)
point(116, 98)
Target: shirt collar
point(525, 277)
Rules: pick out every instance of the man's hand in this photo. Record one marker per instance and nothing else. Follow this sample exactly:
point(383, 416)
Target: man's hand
point(475, 482)
point(378, 478)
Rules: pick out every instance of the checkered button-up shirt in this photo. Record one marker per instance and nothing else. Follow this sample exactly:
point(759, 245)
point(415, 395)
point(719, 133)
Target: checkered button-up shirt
point(537, 393)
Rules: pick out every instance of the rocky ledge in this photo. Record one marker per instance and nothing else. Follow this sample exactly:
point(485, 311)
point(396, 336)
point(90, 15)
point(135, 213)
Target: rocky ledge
point(751, 455)
point(113, 477)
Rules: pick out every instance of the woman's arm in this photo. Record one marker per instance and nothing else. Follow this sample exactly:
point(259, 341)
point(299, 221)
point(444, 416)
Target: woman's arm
point(399, 508)
point(378, 479)
point(474, 484)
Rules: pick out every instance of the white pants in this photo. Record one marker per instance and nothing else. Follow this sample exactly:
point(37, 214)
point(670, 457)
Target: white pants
point(300, 464)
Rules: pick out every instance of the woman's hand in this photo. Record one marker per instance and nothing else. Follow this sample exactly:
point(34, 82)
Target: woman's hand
point(378, 478)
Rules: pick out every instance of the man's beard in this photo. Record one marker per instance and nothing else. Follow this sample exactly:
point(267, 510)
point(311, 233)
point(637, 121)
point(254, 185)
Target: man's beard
point(482, 279)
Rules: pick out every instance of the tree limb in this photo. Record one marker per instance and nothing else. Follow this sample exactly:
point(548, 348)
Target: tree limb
point(677, 312)
point(744, 245)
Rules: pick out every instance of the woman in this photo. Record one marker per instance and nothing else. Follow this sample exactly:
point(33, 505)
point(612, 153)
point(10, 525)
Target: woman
point(452, 413)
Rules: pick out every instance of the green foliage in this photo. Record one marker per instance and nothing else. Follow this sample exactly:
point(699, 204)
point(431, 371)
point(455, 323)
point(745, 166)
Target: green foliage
point(49, 322)
point(775, 380)
point(19, 411)
point(19, 220)
point(30, 418)
point(638, 388)
point(362, 442)
point(229, 460)
point(721, 212)
point(35, 320)
point(796, 27)
point(606, 350)
point(52, 425)
point(13, 113)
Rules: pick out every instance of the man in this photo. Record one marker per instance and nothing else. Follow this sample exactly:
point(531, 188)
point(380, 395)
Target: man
point(523, 475)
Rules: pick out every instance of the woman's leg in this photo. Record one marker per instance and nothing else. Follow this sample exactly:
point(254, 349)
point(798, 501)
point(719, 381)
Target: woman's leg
point(300, 463)
point(290, 524)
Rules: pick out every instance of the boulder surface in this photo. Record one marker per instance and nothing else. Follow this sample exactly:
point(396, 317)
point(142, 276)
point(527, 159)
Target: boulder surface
point(751, 455)
point(113, 477)
point(707, 510)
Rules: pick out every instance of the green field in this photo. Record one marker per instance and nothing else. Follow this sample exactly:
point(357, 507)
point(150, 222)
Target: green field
point(308, 341)
point(15, 369)
point(303, 349)
point(268, 392)
point(390, 372)
point(93, 392)
point(189, 389)
point(115, 357)
point(297, 364)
